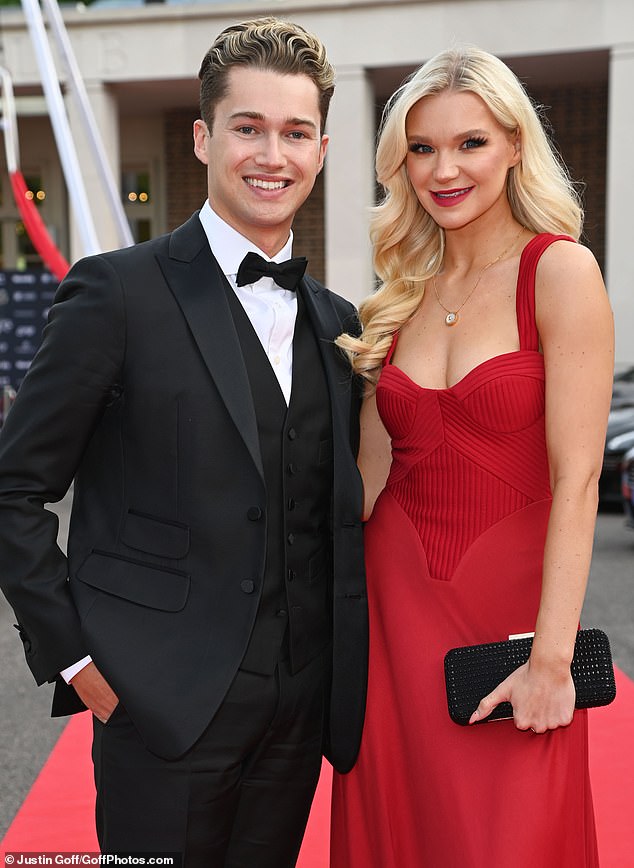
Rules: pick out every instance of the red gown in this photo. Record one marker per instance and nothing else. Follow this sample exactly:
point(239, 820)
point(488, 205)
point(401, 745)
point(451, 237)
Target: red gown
point(454, 552)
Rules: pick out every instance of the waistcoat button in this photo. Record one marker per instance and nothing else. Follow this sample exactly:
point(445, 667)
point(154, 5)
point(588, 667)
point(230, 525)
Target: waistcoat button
point(291, 504)
point(247, 586)
point(291, 433)
point(291, 538)
point(254, 513)
point(291, 575)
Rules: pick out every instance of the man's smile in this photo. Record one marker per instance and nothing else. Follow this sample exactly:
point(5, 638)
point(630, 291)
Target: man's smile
point(266, 185)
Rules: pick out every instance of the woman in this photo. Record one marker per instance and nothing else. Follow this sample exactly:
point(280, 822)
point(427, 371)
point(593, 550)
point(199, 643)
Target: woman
point(488, 355)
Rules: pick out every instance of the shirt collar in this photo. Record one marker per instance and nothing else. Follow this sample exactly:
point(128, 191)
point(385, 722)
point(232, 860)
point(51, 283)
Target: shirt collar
point(229, 246)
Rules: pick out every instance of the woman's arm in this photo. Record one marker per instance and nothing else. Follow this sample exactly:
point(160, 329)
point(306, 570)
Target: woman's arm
point(375, 454)
point(576, 331)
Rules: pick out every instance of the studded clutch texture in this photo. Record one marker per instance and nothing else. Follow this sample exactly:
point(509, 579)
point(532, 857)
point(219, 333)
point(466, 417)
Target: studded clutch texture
point(474, 671)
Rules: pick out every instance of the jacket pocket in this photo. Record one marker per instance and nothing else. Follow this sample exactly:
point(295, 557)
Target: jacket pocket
point(145, 584)
point(155, 536)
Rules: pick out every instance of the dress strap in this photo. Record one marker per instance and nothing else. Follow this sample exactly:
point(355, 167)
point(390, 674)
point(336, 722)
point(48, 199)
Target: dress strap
point(525, 295)
point(388, 356)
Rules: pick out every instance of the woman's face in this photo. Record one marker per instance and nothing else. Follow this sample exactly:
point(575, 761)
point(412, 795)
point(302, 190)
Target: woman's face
point(458, 158)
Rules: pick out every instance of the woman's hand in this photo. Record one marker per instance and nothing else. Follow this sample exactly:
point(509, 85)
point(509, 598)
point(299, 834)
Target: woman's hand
point(543, 698)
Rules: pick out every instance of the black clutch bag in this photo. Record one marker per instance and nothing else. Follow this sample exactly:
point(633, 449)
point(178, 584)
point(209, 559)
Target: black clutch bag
point(474, 671)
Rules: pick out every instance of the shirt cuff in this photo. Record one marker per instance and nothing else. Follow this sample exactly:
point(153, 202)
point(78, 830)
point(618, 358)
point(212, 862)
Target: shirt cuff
point(69, 673)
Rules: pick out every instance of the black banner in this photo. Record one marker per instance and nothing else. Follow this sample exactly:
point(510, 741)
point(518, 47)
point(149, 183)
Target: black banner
point(25, 297)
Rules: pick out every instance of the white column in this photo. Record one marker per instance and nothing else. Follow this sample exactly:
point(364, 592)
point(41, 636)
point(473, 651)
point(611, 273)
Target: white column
point(104, 106)
point(349, 184)
point(620, 201)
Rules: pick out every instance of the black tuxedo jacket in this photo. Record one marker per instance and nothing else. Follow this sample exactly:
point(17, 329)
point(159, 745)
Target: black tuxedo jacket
point(139, 393)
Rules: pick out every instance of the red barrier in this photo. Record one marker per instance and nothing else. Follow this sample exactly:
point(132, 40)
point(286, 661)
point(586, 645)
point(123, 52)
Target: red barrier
point(36, 229)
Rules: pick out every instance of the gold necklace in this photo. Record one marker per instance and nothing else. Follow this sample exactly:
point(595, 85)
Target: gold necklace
point(452, 315)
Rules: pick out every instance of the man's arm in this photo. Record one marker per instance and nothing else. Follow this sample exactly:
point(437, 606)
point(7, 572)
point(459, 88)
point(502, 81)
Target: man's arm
point(41, 446)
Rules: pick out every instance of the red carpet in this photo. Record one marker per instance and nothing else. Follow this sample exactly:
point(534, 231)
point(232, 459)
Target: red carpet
point(57, 813)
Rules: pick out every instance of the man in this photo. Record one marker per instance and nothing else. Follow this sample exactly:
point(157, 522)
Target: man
point(211, 612)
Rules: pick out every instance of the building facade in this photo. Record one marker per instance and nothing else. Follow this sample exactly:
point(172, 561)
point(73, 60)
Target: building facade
point(139, 64)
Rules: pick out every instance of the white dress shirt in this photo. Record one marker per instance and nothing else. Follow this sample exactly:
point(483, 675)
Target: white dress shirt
point(271, 309)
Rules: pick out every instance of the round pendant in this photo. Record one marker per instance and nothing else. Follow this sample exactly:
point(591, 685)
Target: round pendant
point(451, 319)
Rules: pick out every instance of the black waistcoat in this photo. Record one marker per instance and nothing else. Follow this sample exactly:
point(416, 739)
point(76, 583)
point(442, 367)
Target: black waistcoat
point(293, 617)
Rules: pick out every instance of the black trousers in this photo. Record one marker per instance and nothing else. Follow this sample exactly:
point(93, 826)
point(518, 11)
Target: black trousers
point(240, 798)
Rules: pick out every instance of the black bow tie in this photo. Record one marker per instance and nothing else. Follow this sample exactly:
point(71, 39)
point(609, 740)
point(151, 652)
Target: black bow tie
point(285, 274)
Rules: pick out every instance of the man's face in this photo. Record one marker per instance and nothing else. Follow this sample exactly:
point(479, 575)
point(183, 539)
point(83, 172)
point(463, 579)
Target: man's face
point(263, 154)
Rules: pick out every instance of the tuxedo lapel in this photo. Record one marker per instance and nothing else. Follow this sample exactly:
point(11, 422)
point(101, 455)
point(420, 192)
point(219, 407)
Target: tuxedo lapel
point(196, 281)
point(328, 326)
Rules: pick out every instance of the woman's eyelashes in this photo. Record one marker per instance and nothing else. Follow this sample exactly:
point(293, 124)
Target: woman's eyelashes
point(469, 144)
point(474, 142)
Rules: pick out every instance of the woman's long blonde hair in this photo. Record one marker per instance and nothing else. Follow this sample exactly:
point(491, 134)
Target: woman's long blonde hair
point(408, 244)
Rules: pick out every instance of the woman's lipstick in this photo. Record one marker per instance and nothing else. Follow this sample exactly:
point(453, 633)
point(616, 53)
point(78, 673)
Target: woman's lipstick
point(448, 198)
